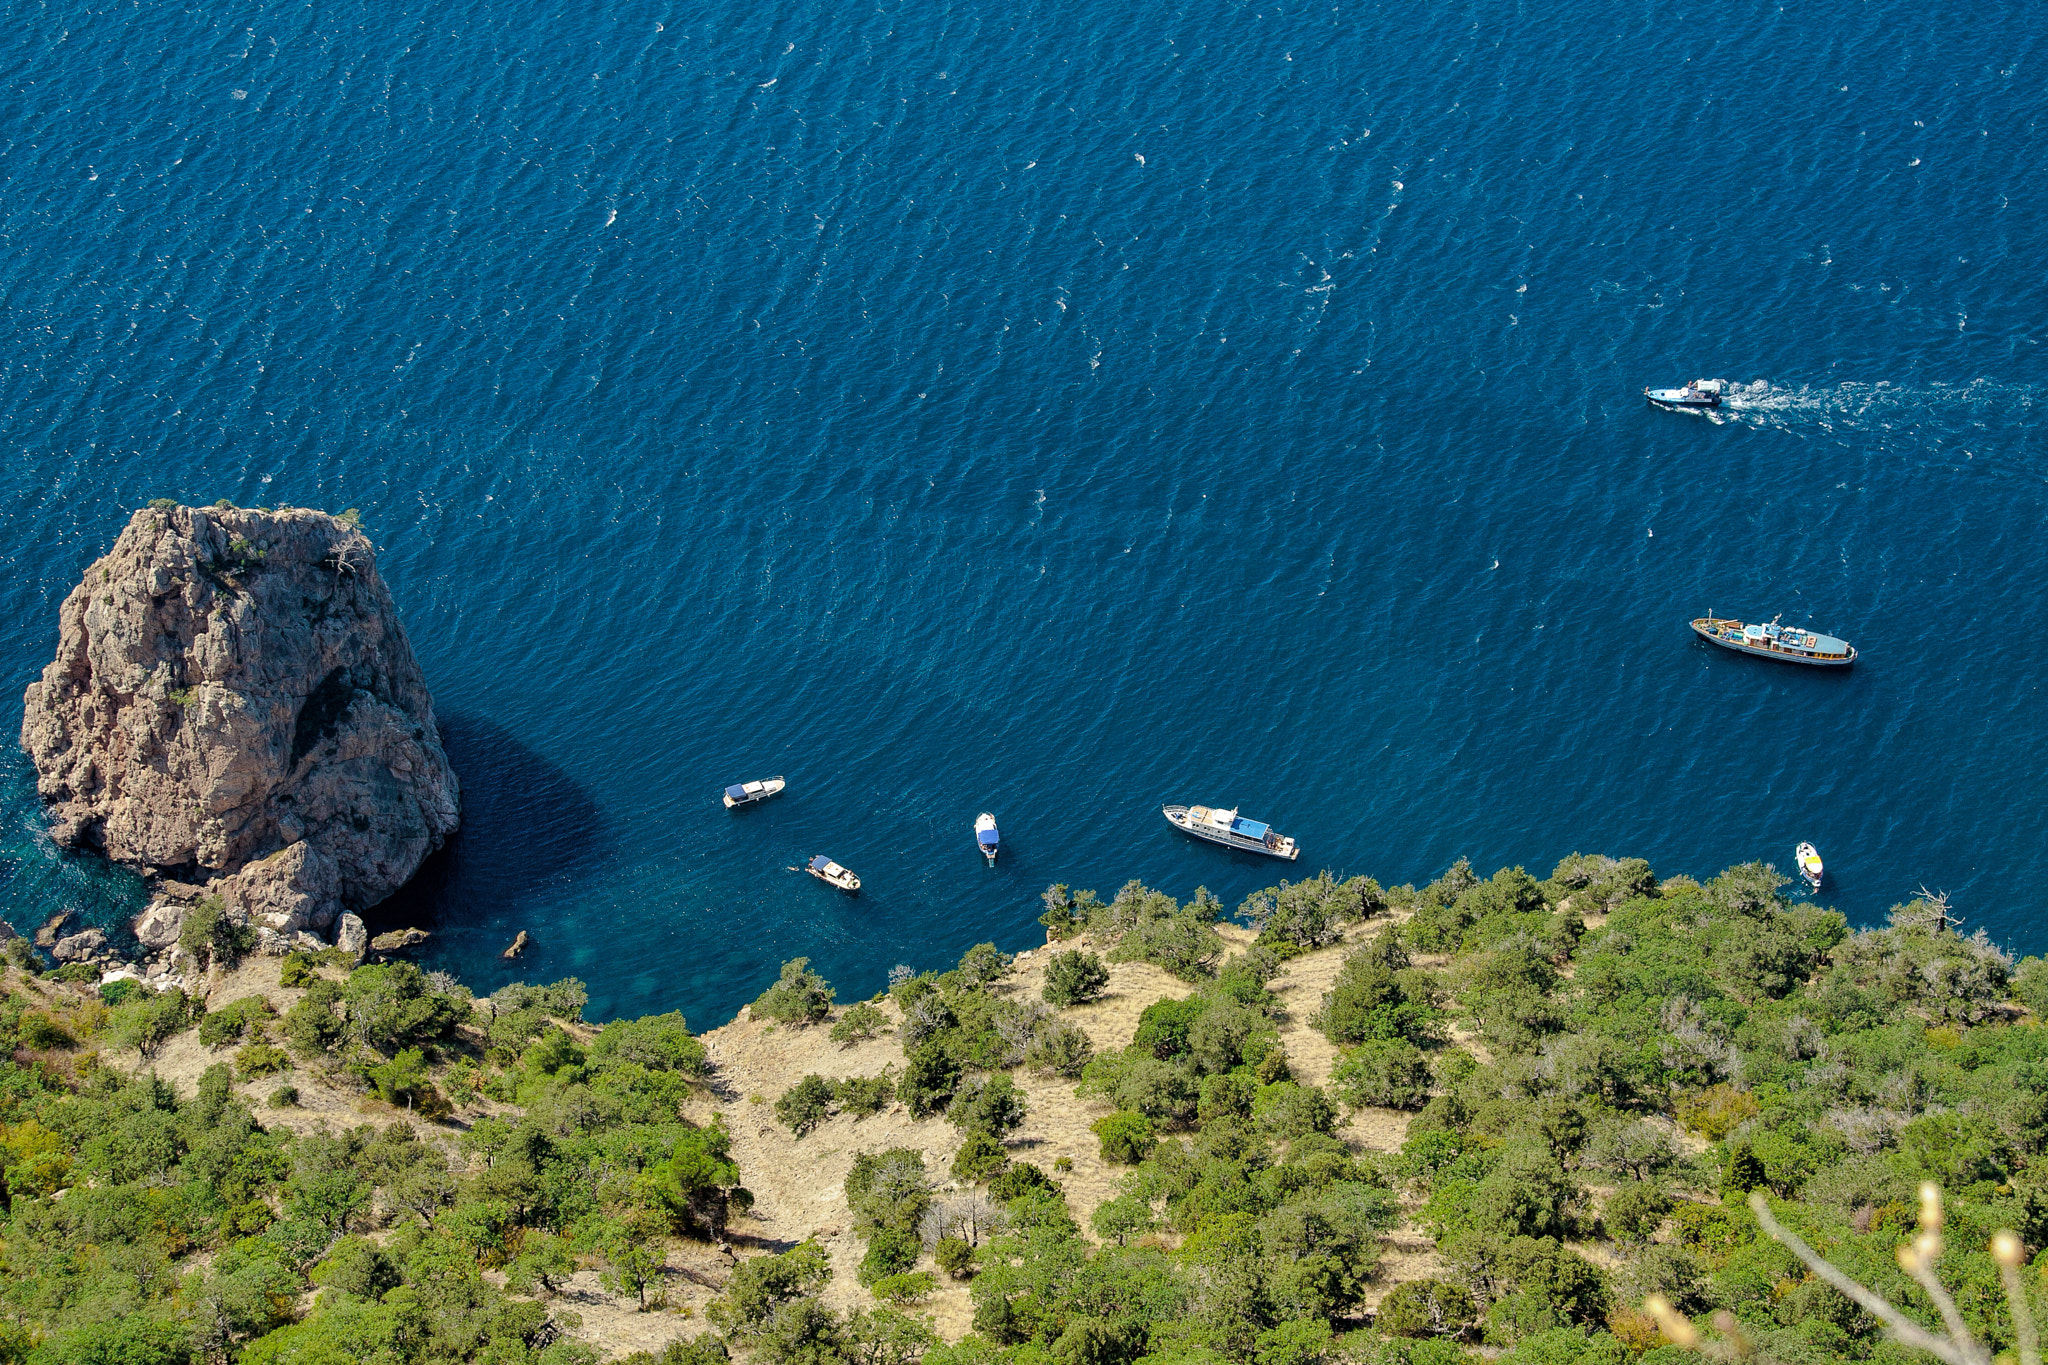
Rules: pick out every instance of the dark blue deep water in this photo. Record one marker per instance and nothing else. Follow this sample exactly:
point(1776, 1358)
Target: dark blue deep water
point(1057, 408)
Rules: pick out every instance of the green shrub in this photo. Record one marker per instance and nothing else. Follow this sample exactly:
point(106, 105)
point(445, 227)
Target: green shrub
point(804, 1105)
point(1059, 1049)
point(77, 973)
point(1425, 1308)
point(1021, 1179)
point(1126, 1138)
point(864, 1096)
point(891, 1251)
point(295, 970)
point(1163, 1027)
point(930, 1076)
point(210, 937)
point(120, 991)
point(987, 1104)
point(1634, 1211)
point(1290, 1110)
point(230, 1022)
point(799, 996)
point(979, 1158)
point(260, 1059)
point(164, 504)
point(911, 1287)
point(284, 1097)
point(43, 1033)
point(955, 1257)
point(1384, 1075)
point(859, 1023)
point(1074, 978)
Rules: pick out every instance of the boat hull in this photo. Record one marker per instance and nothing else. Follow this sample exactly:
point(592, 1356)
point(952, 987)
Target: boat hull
point(1178, 817)
point(1786, 656)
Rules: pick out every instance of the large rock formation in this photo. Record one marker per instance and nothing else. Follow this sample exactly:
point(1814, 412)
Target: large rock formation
point(234, 702)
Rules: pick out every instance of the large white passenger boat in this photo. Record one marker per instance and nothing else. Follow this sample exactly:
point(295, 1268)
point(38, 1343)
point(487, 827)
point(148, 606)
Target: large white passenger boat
point(1227, 827)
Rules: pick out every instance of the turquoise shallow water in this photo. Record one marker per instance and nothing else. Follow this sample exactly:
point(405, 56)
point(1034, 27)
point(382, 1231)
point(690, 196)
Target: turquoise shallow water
point(1058, 409)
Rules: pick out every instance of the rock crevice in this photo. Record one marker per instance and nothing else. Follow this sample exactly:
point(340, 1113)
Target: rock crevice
point(234, 702)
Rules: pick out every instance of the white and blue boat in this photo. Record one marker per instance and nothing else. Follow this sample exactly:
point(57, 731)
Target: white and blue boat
point(746, 793)
point(1792, 644)
point(1227, 827)
point(831, 873)
point(985, 836)
point(1700, 393)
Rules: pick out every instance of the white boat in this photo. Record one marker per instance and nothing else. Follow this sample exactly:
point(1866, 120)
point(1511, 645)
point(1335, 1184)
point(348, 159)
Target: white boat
point(985, 836)
point(1810, 866)
point(1227, 827)
point(825, 870)
point(746, 793)
point(1701, 393)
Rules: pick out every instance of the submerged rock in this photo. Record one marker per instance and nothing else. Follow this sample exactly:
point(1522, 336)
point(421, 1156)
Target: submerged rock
point(234, 703)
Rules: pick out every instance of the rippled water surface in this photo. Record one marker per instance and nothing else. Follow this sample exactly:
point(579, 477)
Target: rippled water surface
point(1059, 408)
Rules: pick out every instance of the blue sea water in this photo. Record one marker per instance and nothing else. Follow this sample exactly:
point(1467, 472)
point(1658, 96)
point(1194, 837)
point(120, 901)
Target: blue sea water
point(1057, 408)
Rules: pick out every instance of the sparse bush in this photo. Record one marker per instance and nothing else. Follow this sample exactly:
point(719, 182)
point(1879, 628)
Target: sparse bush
point(800, 996)
point(260, 1059)
point(991, 1104)
point(209, 936)
point(1385, 1075)
point(1126, 1138)
point(954, 1256)
point(1425, 1308)
point(909, 1287)
point(284, 1097)
point(864, 1096)
point(859, 1023)
point(1074, 978)
point(804, 1105)
point(1059, 1049)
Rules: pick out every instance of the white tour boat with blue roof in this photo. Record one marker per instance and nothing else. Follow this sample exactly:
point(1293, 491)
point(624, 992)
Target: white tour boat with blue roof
point(985, 836)
point(1793, 644)
point(825, 870)
point(1227, 827)
point(747, 793)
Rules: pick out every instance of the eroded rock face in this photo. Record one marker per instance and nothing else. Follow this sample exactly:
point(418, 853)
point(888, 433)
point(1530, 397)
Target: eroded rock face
point(234, 702)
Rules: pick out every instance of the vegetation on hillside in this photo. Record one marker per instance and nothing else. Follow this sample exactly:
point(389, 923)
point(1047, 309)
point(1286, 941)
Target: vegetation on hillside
point(1637, 1112)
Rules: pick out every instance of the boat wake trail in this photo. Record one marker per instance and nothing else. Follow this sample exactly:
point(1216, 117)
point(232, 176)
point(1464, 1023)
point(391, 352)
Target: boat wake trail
point(1982, 405)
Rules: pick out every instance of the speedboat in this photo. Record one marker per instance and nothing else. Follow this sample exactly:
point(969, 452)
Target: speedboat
point(1700, 393)
point(825, 870)
point(1810, 865)
point(1227, 827)
point(985, 836)
point(746, 793)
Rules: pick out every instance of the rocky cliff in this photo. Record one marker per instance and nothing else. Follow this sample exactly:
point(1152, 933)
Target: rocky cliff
point(234, 703)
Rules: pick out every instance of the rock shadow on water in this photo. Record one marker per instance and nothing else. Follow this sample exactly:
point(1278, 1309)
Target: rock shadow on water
point(530, 834)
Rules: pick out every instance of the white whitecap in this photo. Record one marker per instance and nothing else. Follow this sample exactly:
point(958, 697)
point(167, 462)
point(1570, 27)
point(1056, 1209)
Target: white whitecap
point(770, 81)
point(1141, 160)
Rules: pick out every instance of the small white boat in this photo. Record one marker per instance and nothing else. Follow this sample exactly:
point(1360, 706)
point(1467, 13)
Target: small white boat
point(1810, 866)
point(1701, 393)
point(825, 870)
point(985, 836)
point(746, 793)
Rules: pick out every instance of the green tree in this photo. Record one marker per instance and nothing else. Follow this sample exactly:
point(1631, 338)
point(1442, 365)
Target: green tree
point(859, 1023)
point(1074, 978)
point(697, 1184)
point(1126, 1138)
point(1425, 1308)
point(992, 1105)
point(634, 1260)
point(209, 936)
point(930, 1076)
point(804, 1105)
point(392, 1006)
point(799, 996)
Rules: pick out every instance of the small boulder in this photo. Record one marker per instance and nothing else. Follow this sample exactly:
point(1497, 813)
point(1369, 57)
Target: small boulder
point(79, 947)
point(158, 926)
point(352, 937)
point(518, 946)
point(47, 936)
point(179, 891)
point(398, 940)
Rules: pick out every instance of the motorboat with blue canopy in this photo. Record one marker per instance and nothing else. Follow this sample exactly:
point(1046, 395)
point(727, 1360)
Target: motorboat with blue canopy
point(1220, 825)
point(825, 870)
point(985, 837)
point(746, 793)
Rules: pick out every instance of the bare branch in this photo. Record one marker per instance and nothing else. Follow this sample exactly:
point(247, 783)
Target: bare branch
point(1903, 1329)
